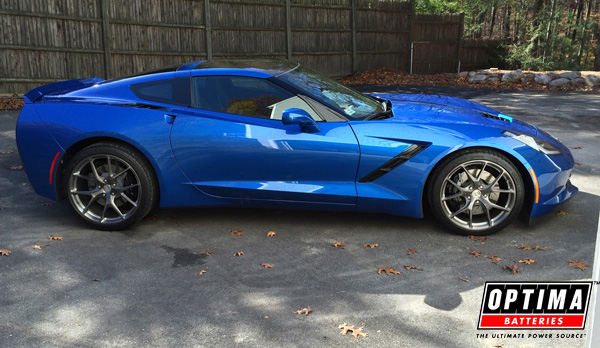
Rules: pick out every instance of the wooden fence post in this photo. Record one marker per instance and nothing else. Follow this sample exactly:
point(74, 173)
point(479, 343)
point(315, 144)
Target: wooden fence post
point(411, 28)
point(106, 39)
point(461, 29)
point(207, 29)
point(288, 29)
point(354, 36)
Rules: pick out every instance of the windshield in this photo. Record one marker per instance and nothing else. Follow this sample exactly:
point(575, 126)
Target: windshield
point(350, 103)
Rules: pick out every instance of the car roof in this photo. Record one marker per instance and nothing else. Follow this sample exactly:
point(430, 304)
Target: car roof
point(273, 67)
point(260, 68)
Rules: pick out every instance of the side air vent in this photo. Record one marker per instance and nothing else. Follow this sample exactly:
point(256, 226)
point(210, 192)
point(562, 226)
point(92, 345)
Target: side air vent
point(388, 166)
point(499, 117)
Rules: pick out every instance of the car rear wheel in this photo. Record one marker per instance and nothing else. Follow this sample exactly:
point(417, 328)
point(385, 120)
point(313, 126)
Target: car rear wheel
point(110, 186)
point(477, 192)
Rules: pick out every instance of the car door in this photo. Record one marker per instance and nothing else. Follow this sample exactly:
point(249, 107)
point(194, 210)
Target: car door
point(233, 144)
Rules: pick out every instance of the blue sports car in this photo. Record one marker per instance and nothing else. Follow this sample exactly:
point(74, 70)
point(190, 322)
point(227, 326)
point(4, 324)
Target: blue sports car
point(274, 134)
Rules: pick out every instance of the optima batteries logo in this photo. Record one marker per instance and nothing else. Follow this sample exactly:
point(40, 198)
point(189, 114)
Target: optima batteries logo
point(552, 305)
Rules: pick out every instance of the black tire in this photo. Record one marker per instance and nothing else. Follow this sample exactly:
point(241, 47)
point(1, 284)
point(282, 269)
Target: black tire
point(110, 186)
point(476, 192)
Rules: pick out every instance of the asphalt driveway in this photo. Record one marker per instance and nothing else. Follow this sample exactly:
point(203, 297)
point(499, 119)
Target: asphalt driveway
point(142, 287)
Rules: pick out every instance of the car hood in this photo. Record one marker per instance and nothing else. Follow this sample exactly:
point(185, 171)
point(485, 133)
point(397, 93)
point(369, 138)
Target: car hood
point(445, 109)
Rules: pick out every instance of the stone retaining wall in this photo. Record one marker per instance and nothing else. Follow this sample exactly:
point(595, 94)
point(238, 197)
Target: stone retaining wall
point(575, 78)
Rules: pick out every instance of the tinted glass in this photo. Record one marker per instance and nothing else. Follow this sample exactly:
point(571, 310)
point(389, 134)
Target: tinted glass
point(171, 91)
point(293, 102)
point(239, 95)
point(349, 102)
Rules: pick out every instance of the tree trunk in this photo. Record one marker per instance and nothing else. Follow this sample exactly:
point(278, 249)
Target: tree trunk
point(483, 22)
point(597, 60)
point(578, 16)
point(493, 20)
point(535, 19)
point(537, 5)
point(507, 22)
point(582, 41)
point(547, 49)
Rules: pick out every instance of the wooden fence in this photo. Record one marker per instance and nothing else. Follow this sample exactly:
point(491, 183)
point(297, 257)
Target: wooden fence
point(48, 40)
point(477, 54)
point(436, 43)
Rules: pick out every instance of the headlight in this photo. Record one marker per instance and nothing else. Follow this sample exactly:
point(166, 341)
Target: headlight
point(533, 142)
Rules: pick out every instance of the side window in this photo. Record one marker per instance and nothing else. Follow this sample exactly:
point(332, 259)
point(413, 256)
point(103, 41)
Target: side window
point(239, 95)
point(293, 102)
point(170, 91)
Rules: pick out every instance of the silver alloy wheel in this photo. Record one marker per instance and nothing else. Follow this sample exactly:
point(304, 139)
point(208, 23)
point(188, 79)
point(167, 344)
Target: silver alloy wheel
point(105, 189)
point(478, 195)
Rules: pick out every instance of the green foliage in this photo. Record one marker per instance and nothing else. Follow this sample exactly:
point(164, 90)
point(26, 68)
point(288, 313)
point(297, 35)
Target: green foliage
point(561, 51)
point(544, 34)
point(436, 6)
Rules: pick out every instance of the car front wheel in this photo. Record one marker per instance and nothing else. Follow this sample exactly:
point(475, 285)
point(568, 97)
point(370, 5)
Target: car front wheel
point(110, 186)
point(477, 192)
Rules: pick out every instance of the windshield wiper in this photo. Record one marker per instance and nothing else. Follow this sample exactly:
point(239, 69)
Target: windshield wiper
point(380, 115)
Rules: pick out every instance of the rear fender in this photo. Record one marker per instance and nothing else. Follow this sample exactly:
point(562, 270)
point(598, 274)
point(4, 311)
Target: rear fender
point(59, 88)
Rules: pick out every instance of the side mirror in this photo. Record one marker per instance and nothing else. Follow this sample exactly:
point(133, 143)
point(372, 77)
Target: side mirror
point(301, 118)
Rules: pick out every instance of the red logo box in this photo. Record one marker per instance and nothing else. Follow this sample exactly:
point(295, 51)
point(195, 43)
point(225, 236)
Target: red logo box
point(533, 305)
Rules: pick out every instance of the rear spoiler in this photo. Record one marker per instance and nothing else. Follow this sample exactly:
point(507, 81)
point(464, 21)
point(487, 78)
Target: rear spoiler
point(59, 87)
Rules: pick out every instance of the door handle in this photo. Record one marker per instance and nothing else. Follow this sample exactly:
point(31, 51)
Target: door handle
point(170, 118)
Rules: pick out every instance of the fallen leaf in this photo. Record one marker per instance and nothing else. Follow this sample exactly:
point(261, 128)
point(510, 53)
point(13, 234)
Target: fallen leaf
point(239, 253)
point(562, 212)
point(388, 270)
point(527, 261)
point(464, 279)
point(207, 253)
point(96, 280)
point(359, 332)
point(494, 258)
point(39, 246)
point(408, 268)
point(55, 237)
point(393, 76)
point(527, 247)
point(236, 232)
point(371, 246)
point(340, 245)
point(411, 251)
point(266, 265)
point(579, 147)
point(271, 233)
point(16, 167)
point(201, 272)
point(577, 264)
point(304, 311)
point(479, 239)
point(5, 252)
point(356, 331)
point(513, 268)
point(475, 253)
